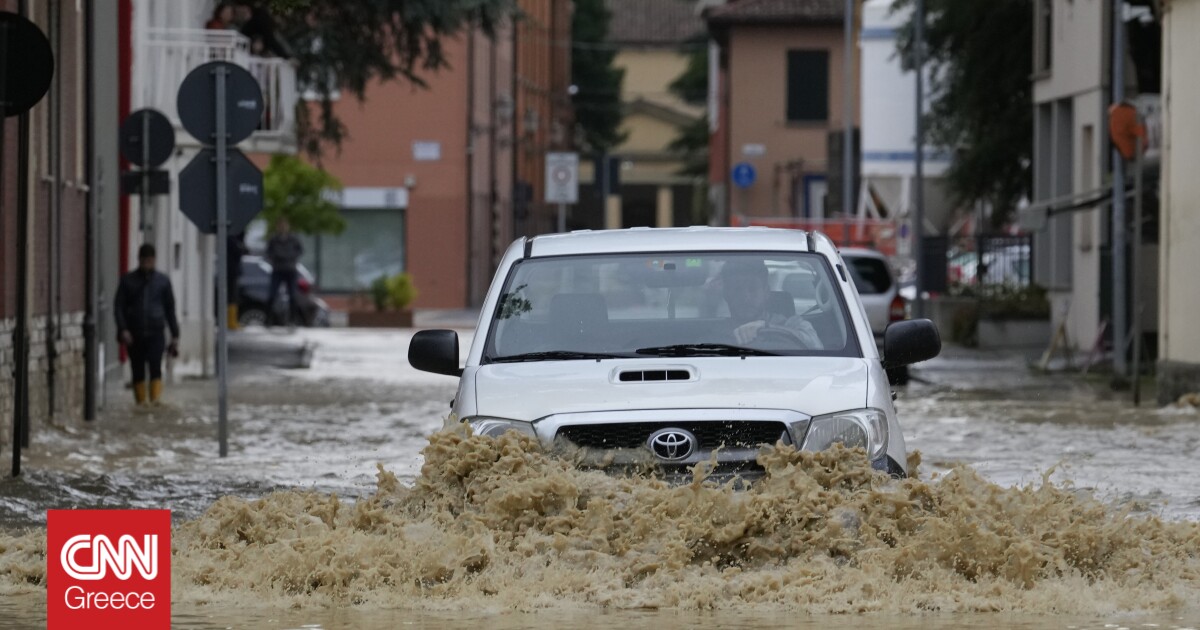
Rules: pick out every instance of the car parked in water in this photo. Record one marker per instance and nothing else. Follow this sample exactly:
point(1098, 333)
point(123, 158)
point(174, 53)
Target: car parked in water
point(668, 347)
point(880, 294)
point(254, 286)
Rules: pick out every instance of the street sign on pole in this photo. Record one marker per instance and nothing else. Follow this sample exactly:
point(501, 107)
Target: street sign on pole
point(221, 104)
point(147, 138)
point(26, 69)
point(562, 178)
point(198, 185)
point(743, 175)
point(562, 183)
point(242, 105)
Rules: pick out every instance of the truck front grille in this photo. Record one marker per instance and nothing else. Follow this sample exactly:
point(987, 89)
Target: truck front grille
point(710, 435)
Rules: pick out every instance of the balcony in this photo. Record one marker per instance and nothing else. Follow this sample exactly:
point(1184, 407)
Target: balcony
point(166, 55)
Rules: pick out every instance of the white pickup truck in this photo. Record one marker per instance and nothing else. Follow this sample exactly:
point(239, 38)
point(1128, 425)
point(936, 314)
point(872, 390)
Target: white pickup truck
point(668, 347)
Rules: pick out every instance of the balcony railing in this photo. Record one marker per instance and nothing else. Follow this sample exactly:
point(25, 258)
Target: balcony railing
point(167, 55)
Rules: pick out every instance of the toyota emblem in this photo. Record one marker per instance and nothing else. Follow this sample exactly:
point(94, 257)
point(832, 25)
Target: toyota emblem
point(672, 445)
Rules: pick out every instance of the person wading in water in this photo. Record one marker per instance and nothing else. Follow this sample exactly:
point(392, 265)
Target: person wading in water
point(145, 304)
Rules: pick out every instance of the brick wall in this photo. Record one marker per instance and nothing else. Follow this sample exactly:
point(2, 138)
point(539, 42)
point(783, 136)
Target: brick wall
point(69, 377)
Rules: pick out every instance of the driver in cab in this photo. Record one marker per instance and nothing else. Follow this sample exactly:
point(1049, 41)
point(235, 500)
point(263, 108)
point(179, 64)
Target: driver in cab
point(747, 294)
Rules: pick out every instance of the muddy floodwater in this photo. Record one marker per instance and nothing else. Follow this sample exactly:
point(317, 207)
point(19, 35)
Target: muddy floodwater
point(1039, 502)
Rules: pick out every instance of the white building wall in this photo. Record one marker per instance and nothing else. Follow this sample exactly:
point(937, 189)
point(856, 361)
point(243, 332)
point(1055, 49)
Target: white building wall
point(889, 128)
point(1179, 335)
point(889, 100)
point(1080, 50)
point(1067, 252)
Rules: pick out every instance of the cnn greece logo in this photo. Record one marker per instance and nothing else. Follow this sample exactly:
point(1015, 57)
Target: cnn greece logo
point(109, 568)
point(123, 557)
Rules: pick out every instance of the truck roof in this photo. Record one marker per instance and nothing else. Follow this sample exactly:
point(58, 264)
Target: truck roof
point(696, 238)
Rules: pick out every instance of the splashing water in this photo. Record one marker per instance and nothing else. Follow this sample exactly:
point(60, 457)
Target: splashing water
point(495, 524)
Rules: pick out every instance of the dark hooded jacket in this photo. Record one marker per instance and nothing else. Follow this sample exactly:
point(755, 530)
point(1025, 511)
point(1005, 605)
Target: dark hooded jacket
point(145, 304)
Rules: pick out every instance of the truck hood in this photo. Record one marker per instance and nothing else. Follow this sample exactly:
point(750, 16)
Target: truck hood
point(809, 385)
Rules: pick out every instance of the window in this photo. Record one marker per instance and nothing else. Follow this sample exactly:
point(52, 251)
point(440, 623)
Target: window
point(807, 85)
point(617, 304)
point(1044, 35)
point(871, 275)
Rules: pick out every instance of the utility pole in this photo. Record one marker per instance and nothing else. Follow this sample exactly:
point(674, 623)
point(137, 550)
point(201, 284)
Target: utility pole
point(919, 158)
point(848, 115)
point(1120, 326)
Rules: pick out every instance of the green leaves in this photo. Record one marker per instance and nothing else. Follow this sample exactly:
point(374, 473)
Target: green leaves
point(598, 100)
point(342, 46)
point(981, 107)
point(295, 190)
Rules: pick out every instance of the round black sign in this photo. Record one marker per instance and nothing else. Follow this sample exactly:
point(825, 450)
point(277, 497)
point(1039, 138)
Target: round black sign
point(198, 102)
point(28, 63)
point(147, 138)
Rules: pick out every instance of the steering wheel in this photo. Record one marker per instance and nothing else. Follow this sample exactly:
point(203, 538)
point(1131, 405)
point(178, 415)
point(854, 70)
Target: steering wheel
point(825, 299)
point(779, 334)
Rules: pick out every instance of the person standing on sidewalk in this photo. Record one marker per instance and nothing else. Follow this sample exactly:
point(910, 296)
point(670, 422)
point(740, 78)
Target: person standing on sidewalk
point(235, 248)
point(283, 252)
point(144, 305)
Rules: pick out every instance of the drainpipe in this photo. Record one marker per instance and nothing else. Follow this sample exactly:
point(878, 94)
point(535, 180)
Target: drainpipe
point(1118, 202)
point(471, 253)
point(90, 352)
point(21, 332)
point(54, 234)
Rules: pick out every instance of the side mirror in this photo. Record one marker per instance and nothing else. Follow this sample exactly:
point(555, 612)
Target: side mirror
point(910, 341)
point(435, 351)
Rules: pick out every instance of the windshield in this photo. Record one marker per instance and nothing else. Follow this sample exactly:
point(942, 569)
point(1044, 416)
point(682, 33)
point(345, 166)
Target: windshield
point(670, 304)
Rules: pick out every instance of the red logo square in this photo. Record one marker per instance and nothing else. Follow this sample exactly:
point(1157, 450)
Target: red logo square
point(108, 569)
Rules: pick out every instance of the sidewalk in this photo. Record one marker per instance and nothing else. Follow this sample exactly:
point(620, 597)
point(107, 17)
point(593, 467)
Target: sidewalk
point(446, 318)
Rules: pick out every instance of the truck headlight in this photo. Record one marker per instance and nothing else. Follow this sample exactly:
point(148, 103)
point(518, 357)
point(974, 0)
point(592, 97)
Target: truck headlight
point(866, 428)
point(495, 427)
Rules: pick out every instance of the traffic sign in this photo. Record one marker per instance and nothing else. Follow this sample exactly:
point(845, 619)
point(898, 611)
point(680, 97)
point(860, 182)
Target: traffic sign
point(562, 177)
point(198, 97)
point(147, 138)
point(198, 186)
point(146, 182)
point(743, 175)
point(28, 64)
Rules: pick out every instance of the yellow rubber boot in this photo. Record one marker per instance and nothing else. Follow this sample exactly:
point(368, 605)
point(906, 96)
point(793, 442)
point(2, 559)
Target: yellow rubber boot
point(155, 390)
point(233, 316)
point(139, 393)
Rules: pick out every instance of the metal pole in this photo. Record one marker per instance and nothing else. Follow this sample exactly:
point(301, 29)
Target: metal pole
point(562, 218)
point(20, 380)
point(848, 115)
point(1118, 203)
point(1137, 251)
point(222, 268)
point(919, 156)
point(144, 196)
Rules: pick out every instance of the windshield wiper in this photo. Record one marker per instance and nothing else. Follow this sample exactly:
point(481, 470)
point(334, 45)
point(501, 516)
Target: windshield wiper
point(556, 355)
point(705, 349)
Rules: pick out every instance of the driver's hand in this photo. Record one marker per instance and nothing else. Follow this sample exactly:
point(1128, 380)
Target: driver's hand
point(747, 332)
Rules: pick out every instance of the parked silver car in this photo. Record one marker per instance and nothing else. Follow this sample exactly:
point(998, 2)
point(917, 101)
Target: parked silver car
point(880, 294)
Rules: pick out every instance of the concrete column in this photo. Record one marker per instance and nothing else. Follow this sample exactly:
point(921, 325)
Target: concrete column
point(665, 207)
point(612, 212)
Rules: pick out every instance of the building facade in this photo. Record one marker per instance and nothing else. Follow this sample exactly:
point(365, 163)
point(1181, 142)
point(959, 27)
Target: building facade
point(779, 98)
point(58, 205)
point(1073, 163)
point(161, 43)
point(1179, 300)
point(439, 180)
point(654, 41)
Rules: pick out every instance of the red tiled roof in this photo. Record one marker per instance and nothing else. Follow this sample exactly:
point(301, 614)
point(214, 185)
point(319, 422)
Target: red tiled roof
point(653, 21)
point(777, 12)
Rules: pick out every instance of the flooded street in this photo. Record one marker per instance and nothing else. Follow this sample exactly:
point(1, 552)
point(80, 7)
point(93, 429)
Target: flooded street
point(494, 533)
